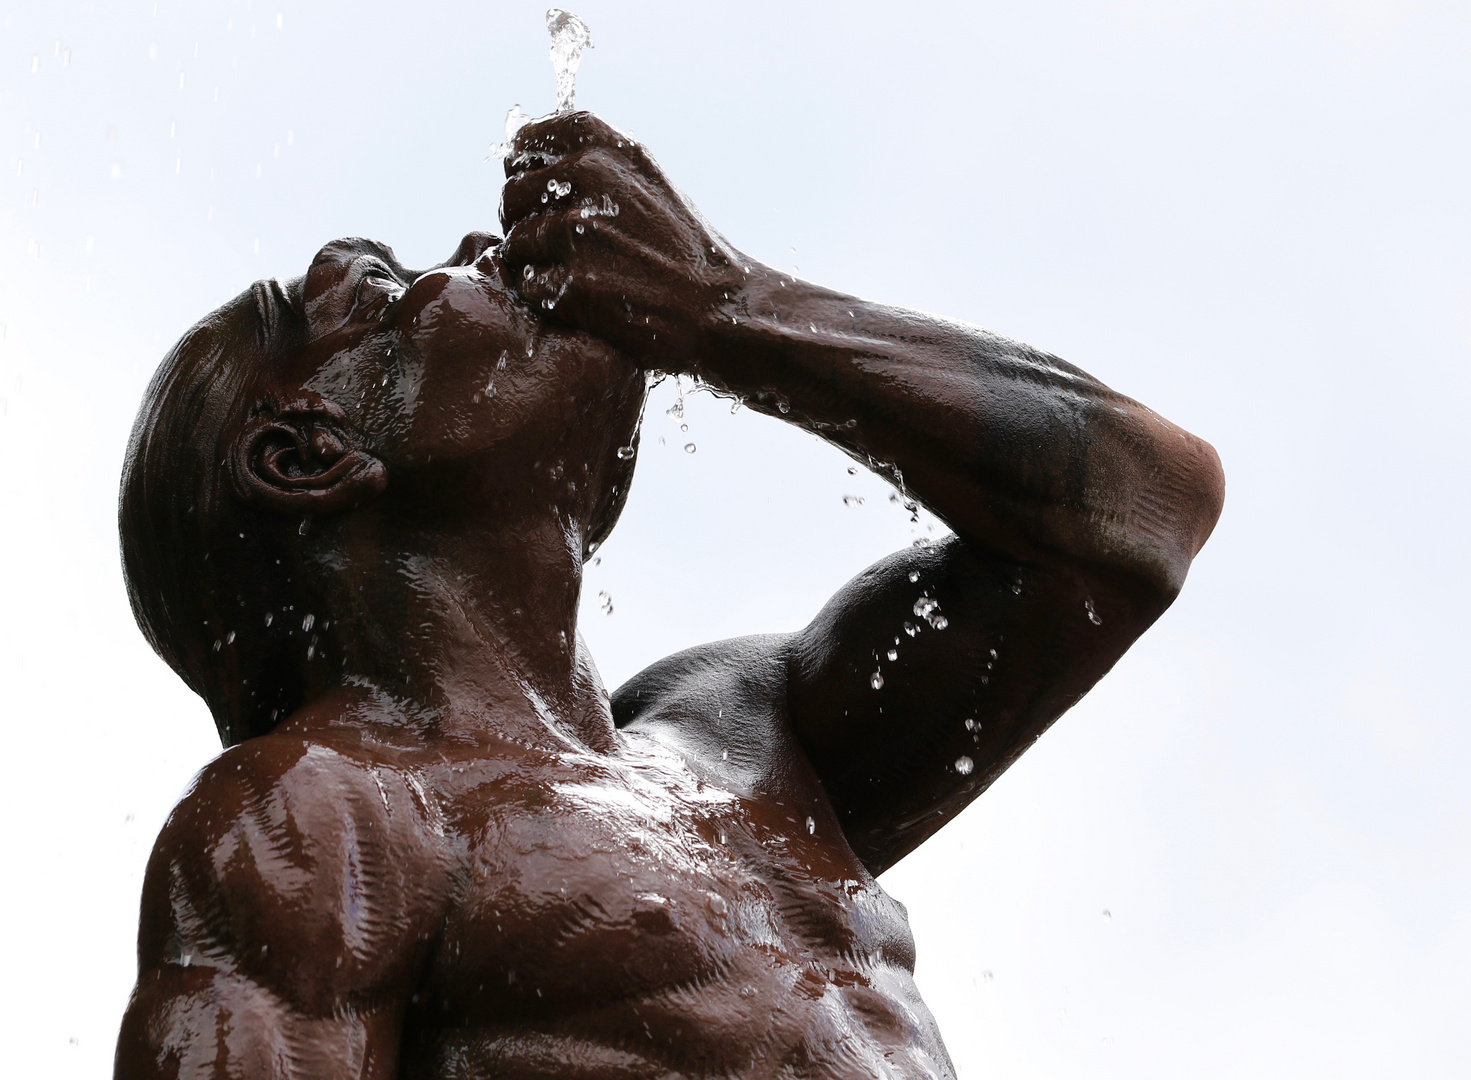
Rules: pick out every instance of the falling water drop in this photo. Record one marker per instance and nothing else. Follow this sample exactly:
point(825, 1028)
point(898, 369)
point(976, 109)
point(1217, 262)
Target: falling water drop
point(851, 501)
point(811, 826)
point(964, 765)
point(876, 680)
point(605, 603)
point(689, 448)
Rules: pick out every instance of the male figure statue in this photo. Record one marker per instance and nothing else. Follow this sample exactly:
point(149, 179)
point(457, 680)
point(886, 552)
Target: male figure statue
point(354, 515)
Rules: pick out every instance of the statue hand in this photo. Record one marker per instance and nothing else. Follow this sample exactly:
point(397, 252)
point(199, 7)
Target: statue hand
point(599, 238)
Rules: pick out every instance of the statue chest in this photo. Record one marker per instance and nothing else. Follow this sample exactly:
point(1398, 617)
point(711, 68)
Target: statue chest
point(583, 881)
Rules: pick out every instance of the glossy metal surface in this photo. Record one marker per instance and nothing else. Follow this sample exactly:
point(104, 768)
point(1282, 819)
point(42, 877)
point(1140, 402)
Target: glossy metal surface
point(354, 518)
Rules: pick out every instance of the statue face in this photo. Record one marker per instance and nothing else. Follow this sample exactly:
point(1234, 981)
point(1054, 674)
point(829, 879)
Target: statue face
point(448, 368)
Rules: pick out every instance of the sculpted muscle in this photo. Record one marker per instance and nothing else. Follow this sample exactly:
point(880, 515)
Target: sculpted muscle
point(437, 848)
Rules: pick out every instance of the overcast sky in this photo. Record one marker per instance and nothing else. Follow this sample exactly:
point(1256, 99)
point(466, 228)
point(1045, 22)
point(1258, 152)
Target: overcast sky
point(1245, 854)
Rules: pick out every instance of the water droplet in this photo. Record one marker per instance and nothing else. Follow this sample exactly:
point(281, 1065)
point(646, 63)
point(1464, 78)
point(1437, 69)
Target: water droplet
point(811, 826)
point(581, 228)
point(1092, 615)
point(270, 618)
point(625, 452)
point(876, 680)
point(924, 605)
point(605, 603)
point(230, 638)
point(570, 36)
point(964, 765)
point(910, 629)
point(893, 654)
point(725, 755)
point(684, 427)
point(1108, 915)
point(717, 903)
point(308, 622)
point(987, 976)
point(783, 407)
point(676, 411)
point(914, 575)
point(852, 470)
point(972, 725)
point(851, 501)
point(939, 622)
point(689, 448)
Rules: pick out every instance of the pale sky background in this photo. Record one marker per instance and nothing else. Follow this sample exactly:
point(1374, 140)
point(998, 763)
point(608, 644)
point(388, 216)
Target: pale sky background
point(1252, 216)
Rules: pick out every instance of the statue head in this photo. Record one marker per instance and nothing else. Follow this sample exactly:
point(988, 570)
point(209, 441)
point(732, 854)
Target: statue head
point(303, 445)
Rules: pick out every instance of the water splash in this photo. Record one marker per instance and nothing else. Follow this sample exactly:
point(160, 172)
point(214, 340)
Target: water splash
point(515, 121)
point(570, 36)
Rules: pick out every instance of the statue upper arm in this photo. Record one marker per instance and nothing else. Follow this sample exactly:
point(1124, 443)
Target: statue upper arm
point(986, 654)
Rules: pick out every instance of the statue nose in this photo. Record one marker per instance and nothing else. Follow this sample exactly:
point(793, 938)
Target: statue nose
point(474, 245)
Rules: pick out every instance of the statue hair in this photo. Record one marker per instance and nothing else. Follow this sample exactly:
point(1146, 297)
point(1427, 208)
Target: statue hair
point(209, 579)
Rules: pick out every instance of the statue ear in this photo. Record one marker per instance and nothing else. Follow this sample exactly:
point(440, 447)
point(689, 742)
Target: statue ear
point(300, 460)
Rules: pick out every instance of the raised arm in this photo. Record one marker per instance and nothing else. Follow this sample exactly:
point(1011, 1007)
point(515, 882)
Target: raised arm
point(285, 914)
point(1076, 510)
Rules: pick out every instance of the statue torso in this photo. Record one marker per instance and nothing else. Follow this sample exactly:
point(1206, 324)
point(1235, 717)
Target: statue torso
point(627, 915)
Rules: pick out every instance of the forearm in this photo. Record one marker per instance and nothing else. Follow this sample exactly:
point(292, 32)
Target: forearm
point(1014, 448)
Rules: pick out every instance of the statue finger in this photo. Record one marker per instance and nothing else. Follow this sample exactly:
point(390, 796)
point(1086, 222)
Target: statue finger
point(545, 142)
point(539, 239)
point(535, 192)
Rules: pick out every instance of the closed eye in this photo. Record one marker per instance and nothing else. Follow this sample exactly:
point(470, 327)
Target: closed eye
point(376, 292)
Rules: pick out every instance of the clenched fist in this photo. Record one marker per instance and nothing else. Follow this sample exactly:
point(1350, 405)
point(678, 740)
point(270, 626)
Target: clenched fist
point(597, 237)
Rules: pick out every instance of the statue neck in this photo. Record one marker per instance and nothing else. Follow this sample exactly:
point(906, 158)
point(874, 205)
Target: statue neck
point(464, 634)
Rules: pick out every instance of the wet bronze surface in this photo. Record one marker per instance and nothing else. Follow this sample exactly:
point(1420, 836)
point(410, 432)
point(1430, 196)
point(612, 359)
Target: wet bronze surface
point(354, 516)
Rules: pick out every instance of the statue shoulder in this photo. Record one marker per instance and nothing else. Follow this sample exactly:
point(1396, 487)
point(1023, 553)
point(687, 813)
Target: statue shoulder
point(290, 858)
point(723, 705)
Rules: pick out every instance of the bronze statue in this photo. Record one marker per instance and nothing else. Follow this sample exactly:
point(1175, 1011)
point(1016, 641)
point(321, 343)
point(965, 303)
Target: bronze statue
point(354, 516)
